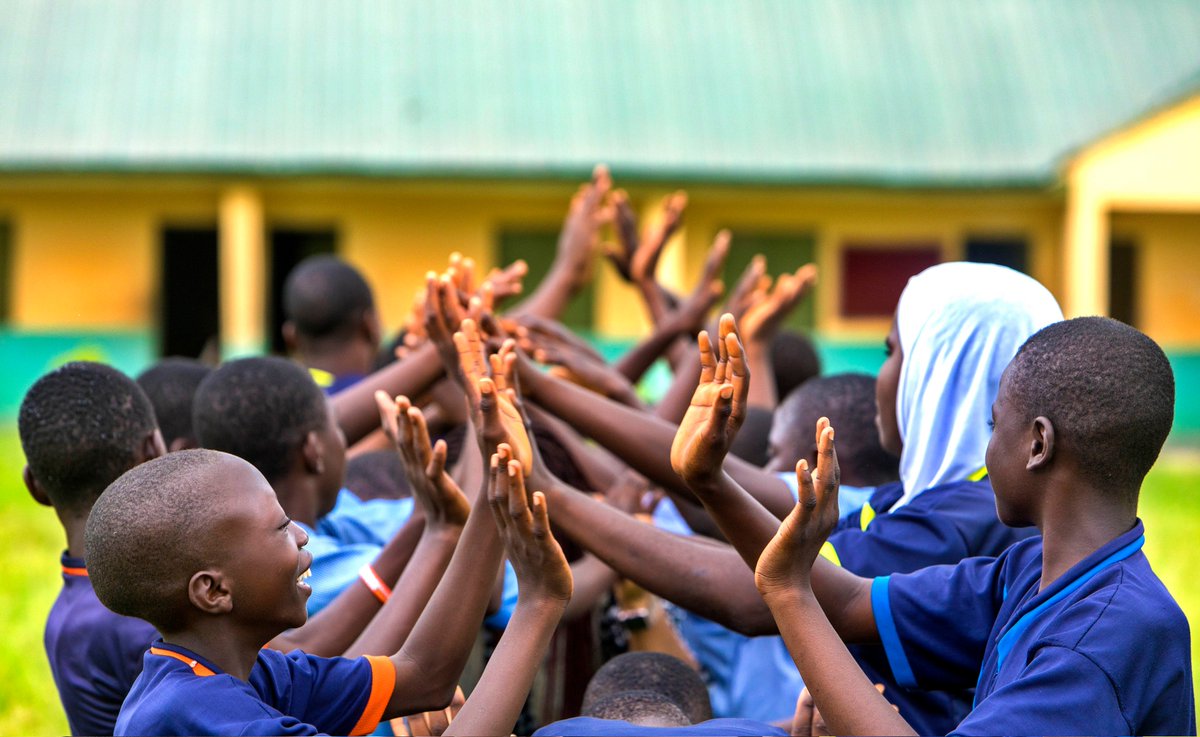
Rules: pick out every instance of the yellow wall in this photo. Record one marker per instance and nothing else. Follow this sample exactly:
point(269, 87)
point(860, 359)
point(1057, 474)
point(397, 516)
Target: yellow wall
point(96, 240)
point(1168, 280)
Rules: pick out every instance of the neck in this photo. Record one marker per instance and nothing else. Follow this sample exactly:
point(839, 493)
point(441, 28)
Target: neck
point(298, 498)
point(74, 527)
point(1082, 519)
point(223, 644)
point(344, 359)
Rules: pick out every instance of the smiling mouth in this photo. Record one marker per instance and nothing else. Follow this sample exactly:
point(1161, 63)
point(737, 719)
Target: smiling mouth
point(307, 574)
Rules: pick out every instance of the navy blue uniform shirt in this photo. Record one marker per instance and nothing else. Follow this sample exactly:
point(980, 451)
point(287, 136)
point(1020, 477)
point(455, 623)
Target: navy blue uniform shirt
point(944, 524)
point(1102, 650)
point(95, 655)
point(181, 693)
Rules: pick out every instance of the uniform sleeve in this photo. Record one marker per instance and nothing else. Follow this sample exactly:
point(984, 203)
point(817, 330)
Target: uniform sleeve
point(334, 567)
point(373, 522)
point(934, 623)
point(904, 541)
point(336, 695)
point(1059, 692)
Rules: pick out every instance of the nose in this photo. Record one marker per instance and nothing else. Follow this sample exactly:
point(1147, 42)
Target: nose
point(301, 535)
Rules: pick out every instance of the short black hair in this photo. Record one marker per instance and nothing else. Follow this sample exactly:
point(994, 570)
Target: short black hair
point(259, 409)
point(1108, 390)
point(145, 536)
point(848, 400)
point(325, 297)
point(377, 474)
point(657, 673)
point(81, 426)
point(794, 360)
point(637, 707)
point(171, 386)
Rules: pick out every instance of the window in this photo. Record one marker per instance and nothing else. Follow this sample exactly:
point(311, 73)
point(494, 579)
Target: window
point(1012, 252)
point(874, 274)
point(6, 276)
point(538, 247)
point(1122, 281)
point(785, 252)
point(189, 310)
point(290, 246)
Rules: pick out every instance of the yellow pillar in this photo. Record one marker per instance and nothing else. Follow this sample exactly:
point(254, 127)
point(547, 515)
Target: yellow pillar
point(1085, 254)
point(242, 263)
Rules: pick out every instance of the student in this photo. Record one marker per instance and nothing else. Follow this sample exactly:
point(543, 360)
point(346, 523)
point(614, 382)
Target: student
point(648, 693)
point(82, 426)
point(957, 326)
point(331, 324)
point(270, 412)
point(1069, 633)
point(171, 385)
point(197, 544)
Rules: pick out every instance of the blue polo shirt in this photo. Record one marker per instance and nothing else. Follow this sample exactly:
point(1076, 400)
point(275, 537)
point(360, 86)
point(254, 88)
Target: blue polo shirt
point(1102, 650)
point(583, 726)
point(942, 525)
point(95, 655)
point(181, 693)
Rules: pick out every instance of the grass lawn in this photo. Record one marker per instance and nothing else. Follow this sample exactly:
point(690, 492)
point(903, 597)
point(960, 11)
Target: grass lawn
point(33, 541)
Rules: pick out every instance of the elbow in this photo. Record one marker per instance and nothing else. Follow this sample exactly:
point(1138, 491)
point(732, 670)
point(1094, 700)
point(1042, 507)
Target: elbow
point(748, 617)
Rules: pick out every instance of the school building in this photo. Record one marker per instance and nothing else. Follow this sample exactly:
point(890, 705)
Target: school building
point(163, 164)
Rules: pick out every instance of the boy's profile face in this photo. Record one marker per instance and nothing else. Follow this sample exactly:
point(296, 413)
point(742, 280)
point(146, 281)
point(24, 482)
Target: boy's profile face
point(1007, 454)
point(334, 442)
point(263, 560)
point(886, 388)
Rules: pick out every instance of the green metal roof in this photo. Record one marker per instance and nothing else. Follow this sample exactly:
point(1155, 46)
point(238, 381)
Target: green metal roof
point(905, 92)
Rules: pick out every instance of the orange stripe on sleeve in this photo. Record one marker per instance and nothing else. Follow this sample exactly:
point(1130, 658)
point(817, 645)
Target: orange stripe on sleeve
point(75, 571)
point(383, 683)
point(199, 669)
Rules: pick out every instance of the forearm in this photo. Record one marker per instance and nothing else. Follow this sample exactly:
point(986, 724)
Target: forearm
point(469, 470)
point(551, 296)
point(703, 577)
point(762, 390)
point(392, 625)
point(644, 442)
point(431, 660)
point(846, 698)
point(597, 466)
point(675, 402)
point(593, 579)
point(355, 406)
point(496, 702)
point(637, 360)
point(329, 632)
point(746, 524)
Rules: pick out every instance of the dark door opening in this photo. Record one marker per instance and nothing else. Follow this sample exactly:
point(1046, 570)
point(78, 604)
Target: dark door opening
point(1122, 281)
point(290, 246)
point(189, 301)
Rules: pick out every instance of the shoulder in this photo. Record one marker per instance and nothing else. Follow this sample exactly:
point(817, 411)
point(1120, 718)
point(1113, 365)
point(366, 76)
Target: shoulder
point(170, 700)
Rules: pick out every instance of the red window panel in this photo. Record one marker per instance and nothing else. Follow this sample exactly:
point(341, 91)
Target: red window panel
point(874, 274)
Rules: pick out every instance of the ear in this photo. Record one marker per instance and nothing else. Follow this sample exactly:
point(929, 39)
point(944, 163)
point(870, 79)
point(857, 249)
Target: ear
point(151, 447)
point(209, 592)
point(1041, 447)
point(182, 443)
point(35, 489)
point(289, 336)
point(313, 453)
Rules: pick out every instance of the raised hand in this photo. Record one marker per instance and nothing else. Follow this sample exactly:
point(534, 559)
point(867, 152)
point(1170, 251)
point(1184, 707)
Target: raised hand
point(753, 280)
point(496, 418)
point(787, 561)
point(509, 281)
point(581, 228)
point(440, 498)
point(636, 256)
point(442, 315)
point(691, 313)
point(717, 410)
point(541, 568)
point(767, 309)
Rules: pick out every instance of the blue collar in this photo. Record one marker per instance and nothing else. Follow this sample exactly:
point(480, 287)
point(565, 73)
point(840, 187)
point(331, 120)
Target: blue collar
point(1114, 552)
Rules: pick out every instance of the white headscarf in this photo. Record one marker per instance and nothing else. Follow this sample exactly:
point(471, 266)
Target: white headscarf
point(959, 324)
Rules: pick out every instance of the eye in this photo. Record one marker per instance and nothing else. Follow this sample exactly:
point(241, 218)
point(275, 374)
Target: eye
point(887, 348)
point(991, 424)
point(285, 525)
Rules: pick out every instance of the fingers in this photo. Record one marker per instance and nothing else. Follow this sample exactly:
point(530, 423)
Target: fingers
point(470, 352)
point(489, 407)
point(724, 328)
point(497, 487)
point(437, 461)
point(387, 415)
point(518, 503)
point(828, 471)
point(808, 495)
point(716, 256)
point(540, 517)
point(420, 436)
point(739, 374)
point(708, 364)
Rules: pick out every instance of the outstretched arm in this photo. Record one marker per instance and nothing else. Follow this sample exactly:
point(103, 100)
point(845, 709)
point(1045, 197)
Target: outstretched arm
point(545, 584)
point(800, 594)
point(639, 439)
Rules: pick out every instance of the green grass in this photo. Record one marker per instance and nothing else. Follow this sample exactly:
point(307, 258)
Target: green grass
point(33, 540)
